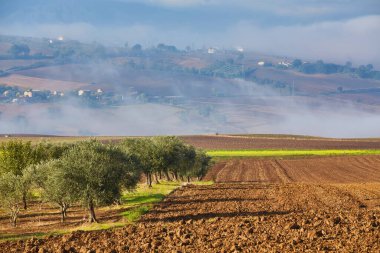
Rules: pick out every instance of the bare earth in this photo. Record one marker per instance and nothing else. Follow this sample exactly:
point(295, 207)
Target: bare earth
point(294, 205)
point(29, 82)
point(341, 169)
point(232, 142)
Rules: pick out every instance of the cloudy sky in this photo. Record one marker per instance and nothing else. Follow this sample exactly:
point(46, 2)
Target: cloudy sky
point(332, 30)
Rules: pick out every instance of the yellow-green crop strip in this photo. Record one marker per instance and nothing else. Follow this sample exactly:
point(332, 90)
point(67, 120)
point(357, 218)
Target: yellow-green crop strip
point(285, 152)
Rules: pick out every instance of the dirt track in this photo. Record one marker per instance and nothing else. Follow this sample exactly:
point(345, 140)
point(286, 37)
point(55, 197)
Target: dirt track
point(280, 142)
point(341, 169)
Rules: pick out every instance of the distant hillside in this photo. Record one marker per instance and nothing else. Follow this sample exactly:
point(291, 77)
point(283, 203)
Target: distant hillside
point(48, 85)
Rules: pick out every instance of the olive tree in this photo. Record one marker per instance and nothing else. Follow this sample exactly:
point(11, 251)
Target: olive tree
point(186, 162)
point(142, 149)
point(11, 194)
point(202, 164)
point(15, 157)
point(95, 174)
point(49, 176)
point(168, 154)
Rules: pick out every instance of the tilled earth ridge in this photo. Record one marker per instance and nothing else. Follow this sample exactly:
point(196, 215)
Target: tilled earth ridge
point(340, 169)
point(240, 218)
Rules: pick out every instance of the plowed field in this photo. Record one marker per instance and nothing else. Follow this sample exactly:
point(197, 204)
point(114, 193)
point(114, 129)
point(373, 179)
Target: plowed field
point(254, 217)
point(329, 204)
point(232, 142)
point(342, 169)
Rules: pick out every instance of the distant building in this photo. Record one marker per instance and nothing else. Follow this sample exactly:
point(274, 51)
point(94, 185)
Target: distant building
point(261, 63)
point(84, 92)
point(211, 50)
point(28, 94)
point(240, 49)
point(57, 93)
point(285, 63)
point(99, 91)
point(35, 93)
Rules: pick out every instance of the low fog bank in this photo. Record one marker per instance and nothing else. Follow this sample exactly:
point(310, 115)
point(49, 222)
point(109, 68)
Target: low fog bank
point(338, 123)
point(285, 116)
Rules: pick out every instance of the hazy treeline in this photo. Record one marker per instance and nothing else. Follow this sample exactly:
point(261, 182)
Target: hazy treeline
point(320, 67)
point(90, 173)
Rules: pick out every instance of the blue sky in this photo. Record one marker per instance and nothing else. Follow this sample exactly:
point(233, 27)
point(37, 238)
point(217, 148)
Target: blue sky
point(335, 30)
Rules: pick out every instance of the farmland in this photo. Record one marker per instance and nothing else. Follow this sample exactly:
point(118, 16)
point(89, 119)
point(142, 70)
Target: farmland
point(283, 153)
point(42, 219)
point(328, 202)
point(241, 218)
point(40, 83)
point(250, 142)
point(341, 169)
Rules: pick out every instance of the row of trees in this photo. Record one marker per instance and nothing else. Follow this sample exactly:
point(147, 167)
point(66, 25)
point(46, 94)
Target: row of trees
point(167, 157)
point(90, 173)
point(363, 71)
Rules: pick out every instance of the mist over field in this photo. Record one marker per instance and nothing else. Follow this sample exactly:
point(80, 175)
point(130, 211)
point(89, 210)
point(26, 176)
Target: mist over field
point(91, 45)
point(290, 115)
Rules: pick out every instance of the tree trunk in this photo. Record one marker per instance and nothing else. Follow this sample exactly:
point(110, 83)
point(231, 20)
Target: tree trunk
point(156, 178)
point(92, 217)
point(62, 215)
point(147, 178)
point(14, 220)
point(167, 176)
point(64, 208)
point(188, 179)
point(160, 174)
point(175, 176)
point(24, 201)
point(14, 214)
point(182, 179)
point(150, 180)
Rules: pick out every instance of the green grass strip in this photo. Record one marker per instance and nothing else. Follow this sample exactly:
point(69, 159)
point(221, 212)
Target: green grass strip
point(281, 153)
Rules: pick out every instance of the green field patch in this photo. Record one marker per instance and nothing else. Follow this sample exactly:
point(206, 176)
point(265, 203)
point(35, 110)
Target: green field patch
point(135, 213)
point(282, 153)
point(143, 199)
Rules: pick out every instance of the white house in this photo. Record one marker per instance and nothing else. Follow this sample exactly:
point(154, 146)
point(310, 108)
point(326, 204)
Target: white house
point(285, 63)
point(211, 50)
point(28, 94)
point(83, 92)
point(57, 93)
point(261, 63)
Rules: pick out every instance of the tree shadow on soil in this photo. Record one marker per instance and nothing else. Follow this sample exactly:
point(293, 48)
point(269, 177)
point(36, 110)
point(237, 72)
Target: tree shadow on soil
point(234, 187)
